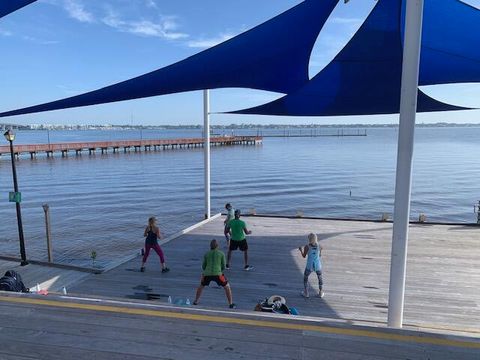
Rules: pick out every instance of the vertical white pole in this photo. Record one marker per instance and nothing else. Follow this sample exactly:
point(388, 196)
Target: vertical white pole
point(206, 145)
point(408, 109)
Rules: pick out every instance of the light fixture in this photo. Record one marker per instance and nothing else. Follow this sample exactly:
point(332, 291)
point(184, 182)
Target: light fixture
point(9, 135)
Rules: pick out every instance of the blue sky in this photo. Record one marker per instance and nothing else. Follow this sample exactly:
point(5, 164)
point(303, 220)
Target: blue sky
point(58, 48)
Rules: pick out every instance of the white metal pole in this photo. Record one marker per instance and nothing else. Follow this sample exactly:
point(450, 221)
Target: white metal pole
point(206, 145)
point(408, 110)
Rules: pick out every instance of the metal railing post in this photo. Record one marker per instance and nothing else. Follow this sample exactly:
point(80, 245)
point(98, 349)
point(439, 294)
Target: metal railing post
point(46, 208)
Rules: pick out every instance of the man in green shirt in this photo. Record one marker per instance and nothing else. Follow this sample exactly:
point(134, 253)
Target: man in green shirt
point(213, 266)
point(238, 229)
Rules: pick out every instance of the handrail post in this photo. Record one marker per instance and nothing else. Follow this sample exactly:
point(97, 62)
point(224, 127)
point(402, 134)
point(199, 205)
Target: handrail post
point(46, 209)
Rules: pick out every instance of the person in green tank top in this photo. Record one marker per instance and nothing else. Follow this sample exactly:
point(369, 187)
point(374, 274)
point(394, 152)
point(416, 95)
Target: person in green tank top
point(213, 266)
point(238, 229)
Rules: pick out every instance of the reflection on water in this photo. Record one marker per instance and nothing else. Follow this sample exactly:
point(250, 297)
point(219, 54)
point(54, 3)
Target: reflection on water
point(103, 201)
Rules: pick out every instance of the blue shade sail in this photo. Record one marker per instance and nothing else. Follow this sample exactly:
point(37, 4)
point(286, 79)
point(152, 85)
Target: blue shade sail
point(363, 79)
point(273, 56)
point(9, 6)
point(450, 44)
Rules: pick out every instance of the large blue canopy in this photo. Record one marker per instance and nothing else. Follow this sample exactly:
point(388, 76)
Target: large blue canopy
point(450, 44)
point(273, 56)
point(9, 6)
point(365, 77)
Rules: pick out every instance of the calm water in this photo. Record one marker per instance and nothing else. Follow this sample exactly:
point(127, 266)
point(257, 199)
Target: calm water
point(100, 200)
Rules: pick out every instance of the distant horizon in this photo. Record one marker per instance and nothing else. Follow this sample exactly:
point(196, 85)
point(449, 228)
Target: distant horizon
point(217, 126)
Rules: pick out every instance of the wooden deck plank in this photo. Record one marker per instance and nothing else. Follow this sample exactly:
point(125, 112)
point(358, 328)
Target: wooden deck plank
point(442, 295)
point(442, 279)
point(49, 278)
point(168, 341)
point(48, 332)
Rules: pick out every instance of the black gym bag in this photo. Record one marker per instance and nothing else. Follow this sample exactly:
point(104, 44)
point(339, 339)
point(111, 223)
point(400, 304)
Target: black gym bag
point(12, 281)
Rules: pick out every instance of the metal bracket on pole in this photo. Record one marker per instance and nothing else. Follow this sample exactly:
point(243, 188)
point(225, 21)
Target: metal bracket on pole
point(403, 185)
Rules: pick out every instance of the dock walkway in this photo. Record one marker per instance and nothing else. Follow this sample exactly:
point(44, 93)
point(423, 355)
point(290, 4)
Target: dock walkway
point(443, 277)
point(127, 145)
point(59, 327)
point(124, 313)
point(48, 278)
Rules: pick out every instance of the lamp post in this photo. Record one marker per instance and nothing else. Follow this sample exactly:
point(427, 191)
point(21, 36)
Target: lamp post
point(10, 136)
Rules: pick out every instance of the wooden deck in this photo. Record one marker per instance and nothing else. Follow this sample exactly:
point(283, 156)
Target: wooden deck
point(442, 289)
point(125, 314)
point(127, 145)
point(60, 328)
point(49, 278)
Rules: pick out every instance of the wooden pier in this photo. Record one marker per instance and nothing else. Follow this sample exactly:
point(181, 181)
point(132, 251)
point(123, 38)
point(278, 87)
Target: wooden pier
point(127, 145)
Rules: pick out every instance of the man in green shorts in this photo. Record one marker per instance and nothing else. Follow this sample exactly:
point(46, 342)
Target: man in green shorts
point(213, 266)
point(238, 229)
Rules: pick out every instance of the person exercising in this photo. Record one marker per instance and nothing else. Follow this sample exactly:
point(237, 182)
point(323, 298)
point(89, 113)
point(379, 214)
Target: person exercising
point(238, 229)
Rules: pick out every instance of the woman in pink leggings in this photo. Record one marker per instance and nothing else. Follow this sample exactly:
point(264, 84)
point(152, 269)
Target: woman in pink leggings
point(152, 234)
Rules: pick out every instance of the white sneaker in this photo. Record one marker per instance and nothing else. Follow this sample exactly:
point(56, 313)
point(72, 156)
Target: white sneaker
point(303, 294)
point(321, 294)
point(248, 267)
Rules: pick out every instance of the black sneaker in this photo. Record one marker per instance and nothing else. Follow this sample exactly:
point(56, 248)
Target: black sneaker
point(142, 269)
point(165, 270)
point(195, 303)
point(227, 266)
point(232, 306)
point(248, 268)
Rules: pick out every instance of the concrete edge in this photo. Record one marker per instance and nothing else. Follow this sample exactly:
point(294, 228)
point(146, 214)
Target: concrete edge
point(251, 318)
point(162, 242)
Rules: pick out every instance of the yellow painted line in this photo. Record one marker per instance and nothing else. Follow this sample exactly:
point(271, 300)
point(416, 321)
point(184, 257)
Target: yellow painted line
point(444, 328)
point(248, 322)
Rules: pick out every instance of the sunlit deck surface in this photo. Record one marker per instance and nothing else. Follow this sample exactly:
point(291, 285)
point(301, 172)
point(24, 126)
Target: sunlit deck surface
point(443, 276)
point(124, 314)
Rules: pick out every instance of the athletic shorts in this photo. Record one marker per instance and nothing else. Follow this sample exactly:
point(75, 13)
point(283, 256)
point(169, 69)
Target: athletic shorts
point(221, 280)
point(242, 245)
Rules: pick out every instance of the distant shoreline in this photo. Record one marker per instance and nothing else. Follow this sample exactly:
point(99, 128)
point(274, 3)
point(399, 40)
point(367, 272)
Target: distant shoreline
point(222, 127)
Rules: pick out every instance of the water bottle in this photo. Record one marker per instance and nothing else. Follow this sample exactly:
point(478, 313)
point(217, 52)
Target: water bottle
point(169, 299)
point(64, 290)
point(187, 302)
point(179, 302)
